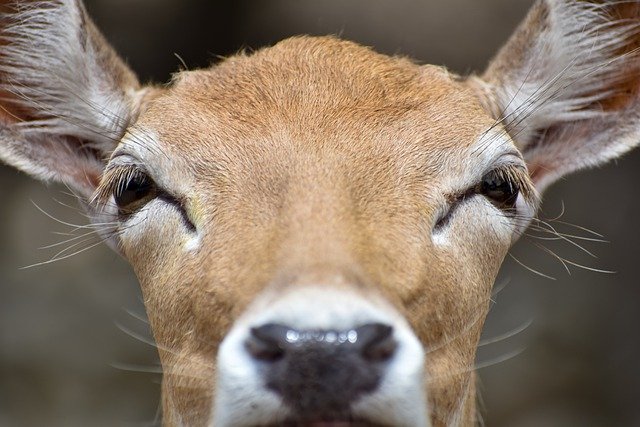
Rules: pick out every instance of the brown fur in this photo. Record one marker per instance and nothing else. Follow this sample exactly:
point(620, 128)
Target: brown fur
point(339, 185)
point(314, 161)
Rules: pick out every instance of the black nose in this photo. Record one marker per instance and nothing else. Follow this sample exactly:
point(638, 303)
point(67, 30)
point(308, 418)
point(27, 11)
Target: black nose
point(319, 373)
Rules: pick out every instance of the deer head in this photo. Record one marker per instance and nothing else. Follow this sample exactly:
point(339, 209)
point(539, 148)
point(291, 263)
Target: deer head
point(317, 227)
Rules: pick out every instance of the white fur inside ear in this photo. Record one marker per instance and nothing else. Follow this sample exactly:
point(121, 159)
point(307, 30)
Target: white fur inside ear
point(564, 86)
point(572, 64)
point(56, 70)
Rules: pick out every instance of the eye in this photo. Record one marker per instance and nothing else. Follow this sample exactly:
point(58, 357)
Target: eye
point(500, 188)
point(134, 192)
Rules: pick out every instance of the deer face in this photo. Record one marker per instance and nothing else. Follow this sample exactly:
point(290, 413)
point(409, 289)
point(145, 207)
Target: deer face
point(324, 196)
point(316, 227)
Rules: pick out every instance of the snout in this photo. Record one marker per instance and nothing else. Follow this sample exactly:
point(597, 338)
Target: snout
point(319, 374)
point(320, 357)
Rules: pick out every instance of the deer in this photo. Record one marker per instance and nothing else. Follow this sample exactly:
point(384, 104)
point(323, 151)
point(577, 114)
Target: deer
point(317, 227)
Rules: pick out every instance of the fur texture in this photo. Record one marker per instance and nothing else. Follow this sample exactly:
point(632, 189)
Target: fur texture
point(67, 97)
point(318, 163)
point(566, 86)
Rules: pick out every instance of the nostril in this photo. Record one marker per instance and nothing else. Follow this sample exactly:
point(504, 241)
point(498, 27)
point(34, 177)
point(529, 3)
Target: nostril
point(376, 341)
point(268, 342)
point(373, 341)
point(319, 373)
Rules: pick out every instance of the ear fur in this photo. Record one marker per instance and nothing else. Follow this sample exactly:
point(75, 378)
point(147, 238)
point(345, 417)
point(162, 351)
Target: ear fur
point(66, 98)
point(566, 85)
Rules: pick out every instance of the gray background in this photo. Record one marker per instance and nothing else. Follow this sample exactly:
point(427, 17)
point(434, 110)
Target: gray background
point(62, 348)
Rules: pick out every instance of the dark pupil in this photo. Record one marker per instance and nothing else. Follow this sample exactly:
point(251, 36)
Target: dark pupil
point(500, 190)
point(137, 188)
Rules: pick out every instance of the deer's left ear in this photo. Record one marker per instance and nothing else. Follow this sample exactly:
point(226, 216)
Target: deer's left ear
point(567, 85)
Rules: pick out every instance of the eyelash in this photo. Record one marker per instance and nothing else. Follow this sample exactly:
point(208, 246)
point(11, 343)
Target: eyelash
point(512, 175)
point(116, 182)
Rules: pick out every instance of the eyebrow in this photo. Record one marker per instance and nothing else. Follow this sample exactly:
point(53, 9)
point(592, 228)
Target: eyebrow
point(498, 138)
point(494, 150)
point(138, 142)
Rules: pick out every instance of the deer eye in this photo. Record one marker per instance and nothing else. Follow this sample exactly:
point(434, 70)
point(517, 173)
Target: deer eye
point(134, 192)
point(500, 188)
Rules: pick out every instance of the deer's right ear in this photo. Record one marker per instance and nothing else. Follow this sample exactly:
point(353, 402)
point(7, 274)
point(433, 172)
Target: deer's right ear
point(566, 86)
point(66, 98)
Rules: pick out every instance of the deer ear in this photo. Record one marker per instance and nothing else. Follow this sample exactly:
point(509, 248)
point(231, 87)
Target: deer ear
point(566, 85)
point(66, 98)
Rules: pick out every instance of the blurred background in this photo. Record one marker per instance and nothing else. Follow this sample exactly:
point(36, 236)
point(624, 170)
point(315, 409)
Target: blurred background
point(558, 352)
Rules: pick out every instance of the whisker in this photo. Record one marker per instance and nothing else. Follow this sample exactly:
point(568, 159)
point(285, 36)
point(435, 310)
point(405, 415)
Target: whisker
point(501, 359)
point(556, 256)
point(74, 245)
point(465, 330)
point(128, 367)
point(481, 365)
point(530, 268)
point(156, 369)
point(137, 316)
point(497, 288)
point(58, 259)
point(155, 345)
point(140, 337)
point(584, 267)
point(579, 227)
point(560, 215)
point(559, 236)
point(76, 209)
point(506, 335)
point(87, 234)
point(583, 249)
point(68, 224)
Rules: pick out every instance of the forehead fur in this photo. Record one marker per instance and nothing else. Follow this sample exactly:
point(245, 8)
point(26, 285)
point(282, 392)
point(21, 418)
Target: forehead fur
point(309, 98)
point(320, 79)
point(320, 70)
